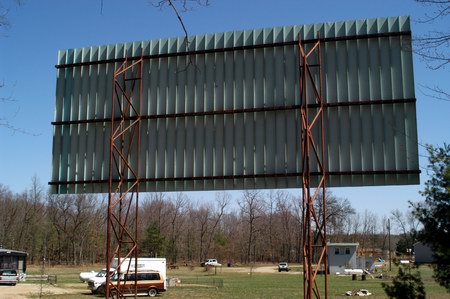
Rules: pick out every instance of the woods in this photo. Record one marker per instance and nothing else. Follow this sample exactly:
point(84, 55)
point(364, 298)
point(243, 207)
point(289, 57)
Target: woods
point(257, 226)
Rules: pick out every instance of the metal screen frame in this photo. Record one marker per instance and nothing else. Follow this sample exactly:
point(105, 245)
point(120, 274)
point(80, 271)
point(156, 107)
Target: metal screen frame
point(236, 107)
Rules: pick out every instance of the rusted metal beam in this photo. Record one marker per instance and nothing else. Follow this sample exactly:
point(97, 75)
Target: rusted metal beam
point(313, 153)
point(124, 180)
point(333, 104)
point(247, 176)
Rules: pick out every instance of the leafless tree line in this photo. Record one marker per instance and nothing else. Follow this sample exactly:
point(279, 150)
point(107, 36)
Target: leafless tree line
point(262, 226)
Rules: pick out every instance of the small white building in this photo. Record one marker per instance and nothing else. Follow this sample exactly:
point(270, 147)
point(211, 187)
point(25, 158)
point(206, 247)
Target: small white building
point(341, 256)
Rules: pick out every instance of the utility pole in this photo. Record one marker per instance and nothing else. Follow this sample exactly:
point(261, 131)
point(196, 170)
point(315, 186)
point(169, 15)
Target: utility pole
point(389, 240)
point(373, 241)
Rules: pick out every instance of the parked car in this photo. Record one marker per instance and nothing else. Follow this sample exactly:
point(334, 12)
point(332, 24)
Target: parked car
point(211, 262)
point(283, 266)
point(150, 283)
point(9, 276)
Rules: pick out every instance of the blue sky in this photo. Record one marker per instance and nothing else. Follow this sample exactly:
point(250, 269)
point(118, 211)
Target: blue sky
point(40, 28)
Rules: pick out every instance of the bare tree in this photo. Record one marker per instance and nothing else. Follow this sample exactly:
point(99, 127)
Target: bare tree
point(367, 230)
point(270, 236)
point(71, 226)
point(434, 46)
point(4, 22)
point(155, 210)
point(72, 217)
point(58, 211)
point(384, 233)
point(353, 224)
point(176, 220)
point(234, 234)
point(251, 208)
point(287, 222)
point(82, 219)
point(8, 214)
point(338, 210)
point(179, 6)
point(297, 209)
point(201, 217)
point(222, 202)
point(8, 100)
point(407, 226)
point(32, 218)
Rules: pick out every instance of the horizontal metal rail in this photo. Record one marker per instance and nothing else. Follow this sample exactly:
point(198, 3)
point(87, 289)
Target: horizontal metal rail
point(243, 110)
point(243, 176)
point(239, 48)
point(52, 279)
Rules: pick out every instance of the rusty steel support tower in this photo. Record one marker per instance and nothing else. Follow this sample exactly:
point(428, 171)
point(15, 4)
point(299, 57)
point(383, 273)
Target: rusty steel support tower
point(315, 257)
point(122, 227)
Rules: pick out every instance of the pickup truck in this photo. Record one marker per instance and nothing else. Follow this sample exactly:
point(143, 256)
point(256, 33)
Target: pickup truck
point(85, 276)
point(212, 262)
point(97, 280)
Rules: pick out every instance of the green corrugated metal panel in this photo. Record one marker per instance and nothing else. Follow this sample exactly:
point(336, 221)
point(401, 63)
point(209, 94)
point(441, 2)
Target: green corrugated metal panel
point(366, 145)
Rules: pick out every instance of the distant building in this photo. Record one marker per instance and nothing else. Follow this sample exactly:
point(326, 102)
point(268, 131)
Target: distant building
point(423, 253)
point(11, 259)
point(341, 256)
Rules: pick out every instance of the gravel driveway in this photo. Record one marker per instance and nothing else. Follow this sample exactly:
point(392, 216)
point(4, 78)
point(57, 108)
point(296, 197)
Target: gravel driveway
point(24, 290)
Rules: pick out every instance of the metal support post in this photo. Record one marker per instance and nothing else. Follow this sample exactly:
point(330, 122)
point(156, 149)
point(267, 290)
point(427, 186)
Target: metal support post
point(315, 257)
point(122, 227)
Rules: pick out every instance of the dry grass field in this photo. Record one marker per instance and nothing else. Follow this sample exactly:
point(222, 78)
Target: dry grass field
point(261, 281)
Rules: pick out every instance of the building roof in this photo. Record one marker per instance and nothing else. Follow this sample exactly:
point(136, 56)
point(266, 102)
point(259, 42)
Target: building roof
point(4, 251)
point(342, 244)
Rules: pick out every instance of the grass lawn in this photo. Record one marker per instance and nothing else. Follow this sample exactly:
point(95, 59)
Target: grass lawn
point(238, 282)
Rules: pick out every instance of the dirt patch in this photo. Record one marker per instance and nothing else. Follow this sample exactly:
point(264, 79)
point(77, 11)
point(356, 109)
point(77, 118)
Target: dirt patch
point(25, 290)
